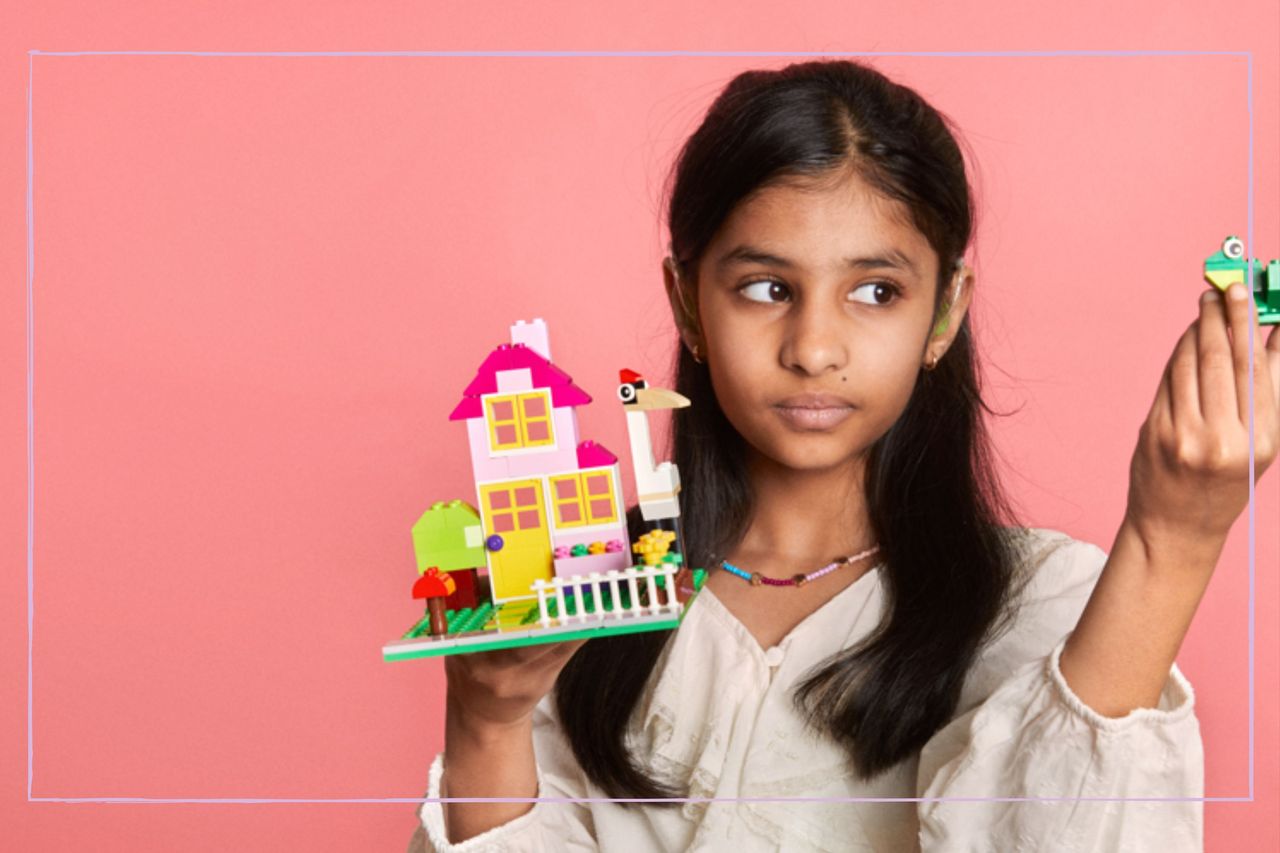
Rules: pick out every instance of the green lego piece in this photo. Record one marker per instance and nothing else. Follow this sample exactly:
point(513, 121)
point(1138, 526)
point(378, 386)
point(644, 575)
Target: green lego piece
point(588, 631)
point(514, 624)
point(1230, 265)
point(440, 537)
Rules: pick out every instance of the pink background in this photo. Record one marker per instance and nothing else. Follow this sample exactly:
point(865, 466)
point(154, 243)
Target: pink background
point(260, 285)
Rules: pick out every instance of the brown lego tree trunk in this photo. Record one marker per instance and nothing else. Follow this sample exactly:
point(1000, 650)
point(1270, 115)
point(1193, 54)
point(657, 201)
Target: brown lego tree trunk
point(439, 625)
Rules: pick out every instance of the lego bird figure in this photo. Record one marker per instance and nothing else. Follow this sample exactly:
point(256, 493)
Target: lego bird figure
point(657, 485)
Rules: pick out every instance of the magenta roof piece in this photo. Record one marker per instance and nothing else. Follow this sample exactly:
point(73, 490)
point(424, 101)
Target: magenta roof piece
point(592, 455)
point(516, 357)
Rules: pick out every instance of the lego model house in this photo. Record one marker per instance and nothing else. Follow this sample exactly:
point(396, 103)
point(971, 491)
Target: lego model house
point(549, 504)
point(550, 528)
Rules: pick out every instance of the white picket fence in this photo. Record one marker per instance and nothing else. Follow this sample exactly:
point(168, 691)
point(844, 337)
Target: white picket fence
point(595, 582)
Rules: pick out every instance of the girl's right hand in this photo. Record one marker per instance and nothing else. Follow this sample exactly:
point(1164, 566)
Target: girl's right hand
point(500, 689)
point(488, 732)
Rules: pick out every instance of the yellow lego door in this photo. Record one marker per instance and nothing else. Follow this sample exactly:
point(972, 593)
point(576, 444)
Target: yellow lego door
point(516, 512)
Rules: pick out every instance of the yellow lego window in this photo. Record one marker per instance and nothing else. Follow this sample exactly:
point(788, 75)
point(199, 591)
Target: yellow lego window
point(535, 419)
point(519, 420)
point(504, 422)
point(566, 494)
point(597, 488)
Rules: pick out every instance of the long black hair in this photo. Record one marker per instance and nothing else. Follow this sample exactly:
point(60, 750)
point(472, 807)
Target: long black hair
point(935, 504)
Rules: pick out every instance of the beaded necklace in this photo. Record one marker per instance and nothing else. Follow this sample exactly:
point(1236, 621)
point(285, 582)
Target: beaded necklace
point(756, 579)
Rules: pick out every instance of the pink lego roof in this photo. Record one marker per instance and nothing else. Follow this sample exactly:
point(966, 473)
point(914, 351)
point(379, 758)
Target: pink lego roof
point(592, 455)
point(516, 357)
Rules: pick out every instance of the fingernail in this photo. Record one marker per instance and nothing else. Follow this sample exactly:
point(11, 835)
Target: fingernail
point(1236, 292)
point(1209, 296)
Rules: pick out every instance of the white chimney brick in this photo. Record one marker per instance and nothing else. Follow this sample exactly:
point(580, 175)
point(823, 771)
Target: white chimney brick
point(532, 334)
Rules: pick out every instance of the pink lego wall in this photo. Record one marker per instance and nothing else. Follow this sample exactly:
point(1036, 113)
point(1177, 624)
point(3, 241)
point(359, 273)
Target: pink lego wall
point(563, 458)
point(259, 284)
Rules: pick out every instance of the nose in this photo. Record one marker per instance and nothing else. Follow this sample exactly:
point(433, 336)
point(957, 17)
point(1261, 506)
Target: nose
point(813, 344)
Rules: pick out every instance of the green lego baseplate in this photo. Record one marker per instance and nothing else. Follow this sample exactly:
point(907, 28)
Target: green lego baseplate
point(511, 624)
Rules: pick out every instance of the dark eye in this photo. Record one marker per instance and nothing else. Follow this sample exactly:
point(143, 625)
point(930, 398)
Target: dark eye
point(882, 288)
point(767, 291)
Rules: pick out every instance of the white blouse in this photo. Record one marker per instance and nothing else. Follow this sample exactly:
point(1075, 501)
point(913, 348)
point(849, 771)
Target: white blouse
point(717, 720)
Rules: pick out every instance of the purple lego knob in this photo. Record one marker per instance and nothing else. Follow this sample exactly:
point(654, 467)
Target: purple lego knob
point(494, 543)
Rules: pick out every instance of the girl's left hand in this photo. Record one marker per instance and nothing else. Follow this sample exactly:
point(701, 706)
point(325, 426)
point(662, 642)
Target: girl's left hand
point(1188, 481)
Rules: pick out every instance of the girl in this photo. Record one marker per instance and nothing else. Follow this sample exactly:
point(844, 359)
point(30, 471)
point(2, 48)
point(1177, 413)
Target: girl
point(819, 219)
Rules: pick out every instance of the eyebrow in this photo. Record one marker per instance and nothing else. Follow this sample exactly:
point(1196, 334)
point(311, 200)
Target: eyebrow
point(745, 254)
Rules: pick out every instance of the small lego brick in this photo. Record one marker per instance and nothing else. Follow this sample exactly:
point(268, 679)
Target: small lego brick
point(447, 537)
point(532, 334)
point(468, 590)
point(574, 566)
point(653, 546)
point(435, 586)
point(592, 455)
point(1230, 265)
point(636, 394)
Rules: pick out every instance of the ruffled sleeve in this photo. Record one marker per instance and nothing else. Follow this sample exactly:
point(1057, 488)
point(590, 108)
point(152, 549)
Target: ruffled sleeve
point(549, 825)
point(1088, 782)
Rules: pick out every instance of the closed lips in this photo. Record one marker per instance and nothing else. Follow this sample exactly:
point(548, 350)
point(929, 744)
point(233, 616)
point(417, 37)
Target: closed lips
point(814, 411)
point(814, 401)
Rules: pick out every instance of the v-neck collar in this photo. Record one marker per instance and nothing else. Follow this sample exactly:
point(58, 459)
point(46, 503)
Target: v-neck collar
point(745, 636)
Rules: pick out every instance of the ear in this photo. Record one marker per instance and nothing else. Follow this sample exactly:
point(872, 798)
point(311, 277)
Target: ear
point(683, 301)
point(952, 311)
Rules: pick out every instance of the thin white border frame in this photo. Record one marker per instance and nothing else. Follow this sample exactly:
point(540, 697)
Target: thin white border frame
point(31, 54)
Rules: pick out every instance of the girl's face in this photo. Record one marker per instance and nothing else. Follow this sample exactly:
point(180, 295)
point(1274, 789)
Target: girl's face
point(816, 302)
